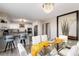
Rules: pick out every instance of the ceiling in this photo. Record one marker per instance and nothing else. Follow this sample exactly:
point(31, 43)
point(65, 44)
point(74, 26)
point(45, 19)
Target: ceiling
point(33, 11)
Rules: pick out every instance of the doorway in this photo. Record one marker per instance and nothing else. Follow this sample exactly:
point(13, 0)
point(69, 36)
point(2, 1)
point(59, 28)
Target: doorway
point(35, 30)
point(46, 29)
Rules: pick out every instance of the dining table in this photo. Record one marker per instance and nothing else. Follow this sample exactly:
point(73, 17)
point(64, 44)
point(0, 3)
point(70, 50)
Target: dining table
point(36, 48)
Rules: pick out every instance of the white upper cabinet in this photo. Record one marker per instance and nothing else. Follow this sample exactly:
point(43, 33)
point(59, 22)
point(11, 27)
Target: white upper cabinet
point(13, 26)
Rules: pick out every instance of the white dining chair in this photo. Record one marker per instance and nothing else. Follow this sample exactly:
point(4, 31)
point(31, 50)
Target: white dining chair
point(65, 41)
point(36, 40)
point(63, 49)
point(64, 37)
point(44, 38)
point(74, 51)
point(21, 49)
point(54, 52)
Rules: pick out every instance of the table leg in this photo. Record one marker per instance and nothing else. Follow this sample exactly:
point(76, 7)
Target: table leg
point(57, 46)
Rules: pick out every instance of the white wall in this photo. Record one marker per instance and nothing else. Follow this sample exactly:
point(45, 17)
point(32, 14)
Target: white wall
point(53, 26)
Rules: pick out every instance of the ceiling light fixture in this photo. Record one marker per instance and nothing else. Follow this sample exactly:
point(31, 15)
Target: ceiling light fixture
point(48, 7)
point(22, 21)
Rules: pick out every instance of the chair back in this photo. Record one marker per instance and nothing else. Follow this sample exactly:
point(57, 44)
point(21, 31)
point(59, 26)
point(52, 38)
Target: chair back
point(44, 38)
point(74, 51)
point(9, 38)
point(53, 52)
point(35, 40)
point(21, 49)
point(39, 38)
point(22, 36)
point(78, 43)
point(64, 37)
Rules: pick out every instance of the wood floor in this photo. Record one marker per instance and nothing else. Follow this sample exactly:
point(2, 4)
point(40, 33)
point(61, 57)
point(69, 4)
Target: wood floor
point(15, 51)
point(9, 53)
point(28, 49)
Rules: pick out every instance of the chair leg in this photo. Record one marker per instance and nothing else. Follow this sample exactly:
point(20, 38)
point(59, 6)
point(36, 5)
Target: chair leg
point(13, 44)
point(24, 42)
point(6, 47)
point(21, 41)
point(9, 45)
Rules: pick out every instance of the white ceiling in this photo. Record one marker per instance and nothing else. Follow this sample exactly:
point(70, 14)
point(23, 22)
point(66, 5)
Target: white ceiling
point(33, 11)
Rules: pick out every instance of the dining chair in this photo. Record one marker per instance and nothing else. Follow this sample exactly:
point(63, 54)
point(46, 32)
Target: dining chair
point(36, 40)
point(64, 37)
point(44, 38)
point(54, 52)
point(64, 44)
point(73, 51)
point(22, 51)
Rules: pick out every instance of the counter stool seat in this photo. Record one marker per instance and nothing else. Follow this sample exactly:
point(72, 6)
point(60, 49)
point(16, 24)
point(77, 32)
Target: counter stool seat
point(9, 42)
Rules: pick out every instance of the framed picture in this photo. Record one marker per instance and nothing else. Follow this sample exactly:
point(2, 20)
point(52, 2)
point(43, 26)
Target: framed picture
point(67, 24)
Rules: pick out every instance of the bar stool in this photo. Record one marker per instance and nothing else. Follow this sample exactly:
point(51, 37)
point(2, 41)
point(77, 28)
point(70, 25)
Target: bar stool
point(9, 42)
point(22, 38)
